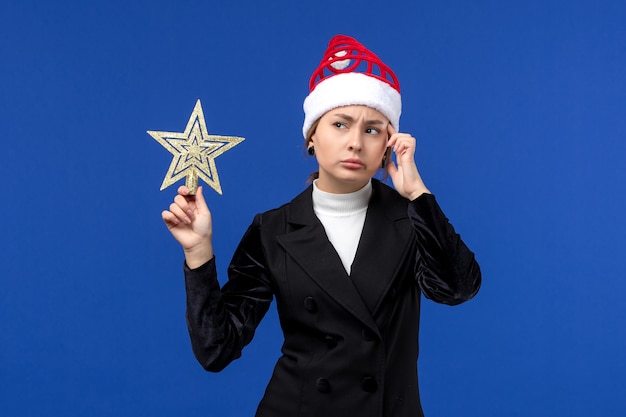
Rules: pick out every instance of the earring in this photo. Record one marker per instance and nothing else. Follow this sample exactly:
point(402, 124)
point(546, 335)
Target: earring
point(311, 150)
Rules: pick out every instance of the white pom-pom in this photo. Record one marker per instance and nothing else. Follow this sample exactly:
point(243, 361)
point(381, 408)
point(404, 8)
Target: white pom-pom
point(339, 65)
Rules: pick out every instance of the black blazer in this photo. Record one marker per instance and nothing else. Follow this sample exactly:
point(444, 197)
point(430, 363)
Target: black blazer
point(351, 342)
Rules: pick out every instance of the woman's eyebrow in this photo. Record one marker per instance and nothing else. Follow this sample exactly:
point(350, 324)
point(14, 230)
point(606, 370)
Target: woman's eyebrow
point(345, 117)
point(350, 119)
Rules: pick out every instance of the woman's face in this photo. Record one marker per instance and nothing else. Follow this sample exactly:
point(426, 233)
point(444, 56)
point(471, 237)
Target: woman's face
point(349, 142)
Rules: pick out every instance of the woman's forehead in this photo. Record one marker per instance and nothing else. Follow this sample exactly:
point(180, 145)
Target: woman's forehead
point(358, 112)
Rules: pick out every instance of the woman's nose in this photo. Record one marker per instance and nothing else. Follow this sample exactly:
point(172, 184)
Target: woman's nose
point(356, 141)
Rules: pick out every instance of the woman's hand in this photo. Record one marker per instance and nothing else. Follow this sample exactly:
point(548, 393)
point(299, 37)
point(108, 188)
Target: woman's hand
point(189, 221)
point(405, 177)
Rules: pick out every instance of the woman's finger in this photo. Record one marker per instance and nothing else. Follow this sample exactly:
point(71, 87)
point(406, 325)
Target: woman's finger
point(178, 212)
point(183, 190)
point(404, 142)
point(392, 138)
point(185, 204)
point(201, 204)
point(169, 218)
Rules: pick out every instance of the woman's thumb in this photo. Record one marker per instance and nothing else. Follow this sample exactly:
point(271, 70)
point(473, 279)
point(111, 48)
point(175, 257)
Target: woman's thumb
point(200, 201)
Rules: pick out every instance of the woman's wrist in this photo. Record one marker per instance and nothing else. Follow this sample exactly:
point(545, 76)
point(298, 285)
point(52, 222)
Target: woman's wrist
point(198, 255)
point(417, 193)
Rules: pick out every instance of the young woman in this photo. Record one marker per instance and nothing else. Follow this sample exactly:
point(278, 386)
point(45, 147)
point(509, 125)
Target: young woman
point(347, 260)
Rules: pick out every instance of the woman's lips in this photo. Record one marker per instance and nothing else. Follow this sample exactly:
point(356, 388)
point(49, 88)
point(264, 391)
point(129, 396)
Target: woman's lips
point(352, 163)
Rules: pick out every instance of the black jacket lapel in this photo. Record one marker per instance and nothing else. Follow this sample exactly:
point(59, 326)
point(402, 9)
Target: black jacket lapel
point(383, 244)
point(309, 246)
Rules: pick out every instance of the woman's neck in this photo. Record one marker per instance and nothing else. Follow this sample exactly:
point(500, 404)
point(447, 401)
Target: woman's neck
point(340, 204)
point(339, 187)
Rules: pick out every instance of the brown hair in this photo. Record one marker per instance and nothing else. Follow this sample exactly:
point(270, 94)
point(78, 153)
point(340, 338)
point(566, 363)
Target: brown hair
point(314, 175)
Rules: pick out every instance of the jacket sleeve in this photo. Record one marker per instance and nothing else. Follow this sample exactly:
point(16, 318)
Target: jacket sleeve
point(222, 321)
point(447, 271)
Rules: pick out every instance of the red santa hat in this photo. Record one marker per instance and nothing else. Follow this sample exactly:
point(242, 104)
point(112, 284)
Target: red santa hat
point(350, 74)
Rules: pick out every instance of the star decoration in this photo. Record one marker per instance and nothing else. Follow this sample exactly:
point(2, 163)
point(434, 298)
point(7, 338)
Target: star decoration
point(194, 152)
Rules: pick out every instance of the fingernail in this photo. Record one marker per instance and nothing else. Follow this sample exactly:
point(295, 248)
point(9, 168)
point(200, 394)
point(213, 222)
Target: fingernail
point(187, 220)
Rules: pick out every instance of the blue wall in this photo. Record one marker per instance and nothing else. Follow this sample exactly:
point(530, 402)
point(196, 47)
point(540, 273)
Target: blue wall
point(519, 108)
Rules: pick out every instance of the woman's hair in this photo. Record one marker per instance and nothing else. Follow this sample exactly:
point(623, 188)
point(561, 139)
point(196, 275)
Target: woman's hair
point(315, 175)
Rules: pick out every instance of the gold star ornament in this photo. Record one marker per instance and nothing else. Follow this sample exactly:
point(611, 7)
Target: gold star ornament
point(194, 152)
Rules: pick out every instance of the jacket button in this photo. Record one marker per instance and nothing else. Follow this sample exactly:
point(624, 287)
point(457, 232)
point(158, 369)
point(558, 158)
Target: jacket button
point(322, 385)
point(310, 304)
point(367, 335)
point(331, 342)
point(393, 293)
point(369, 384)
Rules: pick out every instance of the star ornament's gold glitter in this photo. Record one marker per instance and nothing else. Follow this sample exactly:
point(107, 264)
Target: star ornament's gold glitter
point(194, 152)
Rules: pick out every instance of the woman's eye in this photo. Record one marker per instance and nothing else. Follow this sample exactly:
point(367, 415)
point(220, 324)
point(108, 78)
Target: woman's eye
point(372, 131)
point(340, 125)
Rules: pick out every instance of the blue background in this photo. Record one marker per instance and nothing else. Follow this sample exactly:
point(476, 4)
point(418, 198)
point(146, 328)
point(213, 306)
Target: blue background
point(519, 108)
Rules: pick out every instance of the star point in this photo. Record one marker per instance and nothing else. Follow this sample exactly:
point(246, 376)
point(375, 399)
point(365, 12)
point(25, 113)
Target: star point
point(194, 152)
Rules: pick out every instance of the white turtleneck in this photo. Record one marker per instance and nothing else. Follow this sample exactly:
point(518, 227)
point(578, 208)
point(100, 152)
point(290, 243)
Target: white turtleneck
point(343, 217)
